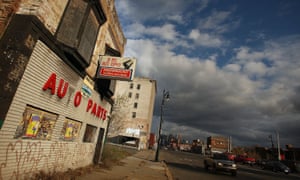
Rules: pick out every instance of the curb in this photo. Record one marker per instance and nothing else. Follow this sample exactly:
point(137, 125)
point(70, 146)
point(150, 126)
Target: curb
point(168, 173)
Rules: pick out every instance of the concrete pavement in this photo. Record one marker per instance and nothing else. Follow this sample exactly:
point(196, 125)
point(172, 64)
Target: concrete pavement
point(138, 166)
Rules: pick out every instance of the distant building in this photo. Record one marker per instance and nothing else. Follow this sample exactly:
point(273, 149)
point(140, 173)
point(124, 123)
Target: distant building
point(197, 146)
point(135, 125)
point(218, 144)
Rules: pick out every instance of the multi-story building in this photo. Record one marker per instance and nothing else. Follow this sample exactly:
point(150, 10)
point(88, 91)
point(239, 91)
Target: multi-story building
point(53, 110)
point(136, 120)
point(218, 144)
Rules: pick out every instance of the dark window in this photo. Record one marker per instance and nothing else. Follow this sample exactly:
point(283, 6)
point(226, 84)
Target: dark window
point(131, 85)
point(137, 95)
point(36, 124)
point(135, 105)
point(133, 114)
point(70, 130)
point(130, 94)
point(90, 133)
point(138, 86)
point(79, 28)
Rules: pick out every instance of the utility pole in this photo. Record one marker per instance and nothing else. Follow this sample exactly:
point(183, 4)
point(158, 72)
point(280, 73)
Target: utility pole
point(166, 96)
point(278, 146)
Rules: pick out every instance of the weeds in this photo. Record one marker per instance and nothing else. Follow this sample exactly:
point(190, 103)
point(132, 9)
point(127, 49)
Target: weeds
point(112, 155)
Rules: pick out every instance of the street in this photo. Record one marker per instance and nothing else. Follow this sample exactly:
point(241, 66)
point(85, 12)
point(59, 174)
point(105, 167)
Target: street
point(185, 165)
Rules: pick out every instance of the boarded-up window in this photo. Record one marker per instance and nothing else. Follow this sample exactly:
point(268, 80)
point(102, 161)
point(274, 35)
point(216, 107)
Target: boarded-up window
point(89, 36)
point(90, 133)
point(36, 124)
point(70, 26)
point(70, 130)
point(79, 27)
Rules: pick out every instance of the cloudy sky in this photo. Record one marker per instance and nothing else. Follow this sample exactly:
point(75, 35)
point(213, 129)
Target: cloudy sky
point(232, 67)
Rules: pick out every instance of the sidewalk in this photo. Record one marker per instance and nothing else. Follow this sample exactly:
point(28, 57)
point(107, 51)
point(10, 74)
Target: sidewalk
point(138, 166)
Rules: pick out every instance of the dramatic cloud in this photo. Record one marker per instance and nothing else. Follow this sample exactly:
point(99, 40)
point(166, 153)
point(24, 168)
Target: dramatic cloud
point(222, 81)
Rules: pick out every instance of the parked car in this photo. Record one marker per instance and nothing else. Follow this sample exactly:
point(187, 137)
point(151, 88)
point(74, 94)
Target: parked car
point(293, 165)
point(276, 166)
point(245, 159)
point(220, 162)
point(231, 156)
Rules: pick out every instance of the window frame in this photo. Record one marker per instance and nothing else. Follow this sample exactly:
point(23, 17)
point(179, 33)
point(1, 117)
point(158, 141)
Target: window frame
point(137, 96)
point(78, 38)
point(35, 123)
point(133, 115)
point(89, 129)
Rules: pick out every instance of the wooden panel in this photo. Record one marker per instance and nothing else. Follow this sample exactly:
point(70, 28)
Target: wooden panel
point(72, 21)
point(89, 36)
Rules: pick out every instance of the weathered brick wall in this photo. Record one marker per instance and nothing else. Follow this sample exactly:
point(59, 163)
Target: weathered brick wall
point(49, 12)
point(7, 8)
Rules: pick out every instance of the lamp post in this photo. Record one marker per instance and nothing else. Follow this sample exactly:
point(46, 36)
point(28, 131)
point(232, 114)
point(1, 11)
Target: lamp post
point(278, 146)
point(166, 96)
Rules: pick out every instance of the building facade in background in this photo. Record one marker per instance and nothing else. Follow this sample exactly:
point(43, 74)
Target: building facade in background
point(218, 144)
point(54, 113)
point(133, 123)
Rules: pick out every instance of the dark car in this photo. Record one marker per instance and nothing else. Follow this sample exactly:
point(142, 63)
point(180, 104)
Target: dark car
point(276, 166)
point(220, 162)
point(293, 165)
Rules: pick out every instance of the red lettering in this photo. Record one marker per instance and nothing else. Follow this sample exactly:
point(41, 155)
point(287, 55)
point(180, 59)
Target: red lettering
point(94, 110)
point(77, 98)
point(60, 93)
point(62, 90)
point(104, 115)
point(89, 105)
point(99, 111)
point(50, 84)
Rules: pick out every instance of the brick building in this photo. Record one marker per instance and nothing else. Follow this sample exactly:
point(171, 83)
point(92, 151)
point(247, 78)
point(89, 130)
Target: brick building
point(53, 111)
point(218, 144)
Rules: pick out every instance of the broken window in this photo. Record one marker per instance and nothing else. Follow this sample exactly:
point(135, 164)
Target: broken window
point(70, 130)
point(36, 124)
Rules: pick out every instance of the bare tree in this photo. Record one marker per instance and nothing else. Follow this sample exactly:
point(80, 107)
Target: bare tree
point(119, 116)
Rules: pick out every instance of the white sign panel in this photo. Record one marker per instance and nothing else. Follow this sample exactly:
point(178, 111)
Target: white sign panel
point(120, 68)
point(133, 132)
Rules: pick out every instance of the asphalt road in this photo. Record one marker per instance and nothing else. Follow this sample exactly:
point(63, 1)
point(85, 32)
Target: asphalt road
point(185, 165)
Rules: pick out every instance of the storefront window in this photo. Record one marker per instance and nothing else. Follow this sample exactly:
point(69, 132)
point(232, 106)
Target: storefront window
point(90, 133)
point(36, 124)
point(70, 130)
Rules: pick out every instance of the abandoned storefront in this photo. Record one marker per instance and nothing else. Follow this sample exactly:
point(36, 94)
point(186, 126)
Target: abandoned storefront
point(54, 115)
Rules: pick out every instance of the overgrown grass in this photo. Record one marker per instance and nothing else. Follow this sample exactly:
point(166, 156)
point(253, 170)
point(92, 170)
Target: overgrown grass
point(112, 155)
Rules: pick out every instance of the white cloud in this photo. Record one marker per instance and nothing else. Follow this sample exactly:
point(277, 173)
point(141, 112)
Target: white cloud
point(232, 68)
point(204, 39)
point(176, 18)
point(166, 32)
point(219, 22)
point(245, 54)
point(255, 69)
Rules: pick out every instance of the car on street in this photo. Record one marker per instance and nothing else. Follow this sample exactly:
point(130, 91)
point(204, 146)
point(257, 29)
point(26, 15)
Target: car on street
point(276, 166)
point(245, 159)
point(220, 162)
point(293, 165)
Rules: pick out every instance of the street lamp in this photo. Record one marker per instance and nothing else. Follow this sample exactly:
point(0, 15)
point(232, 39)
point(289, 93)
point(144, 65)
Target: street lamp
point(166, 96)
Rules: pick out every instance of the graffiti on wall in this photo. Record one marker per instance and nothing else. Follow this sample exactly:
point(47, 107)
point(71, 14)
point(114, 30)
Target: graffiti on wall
point(22, 158)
